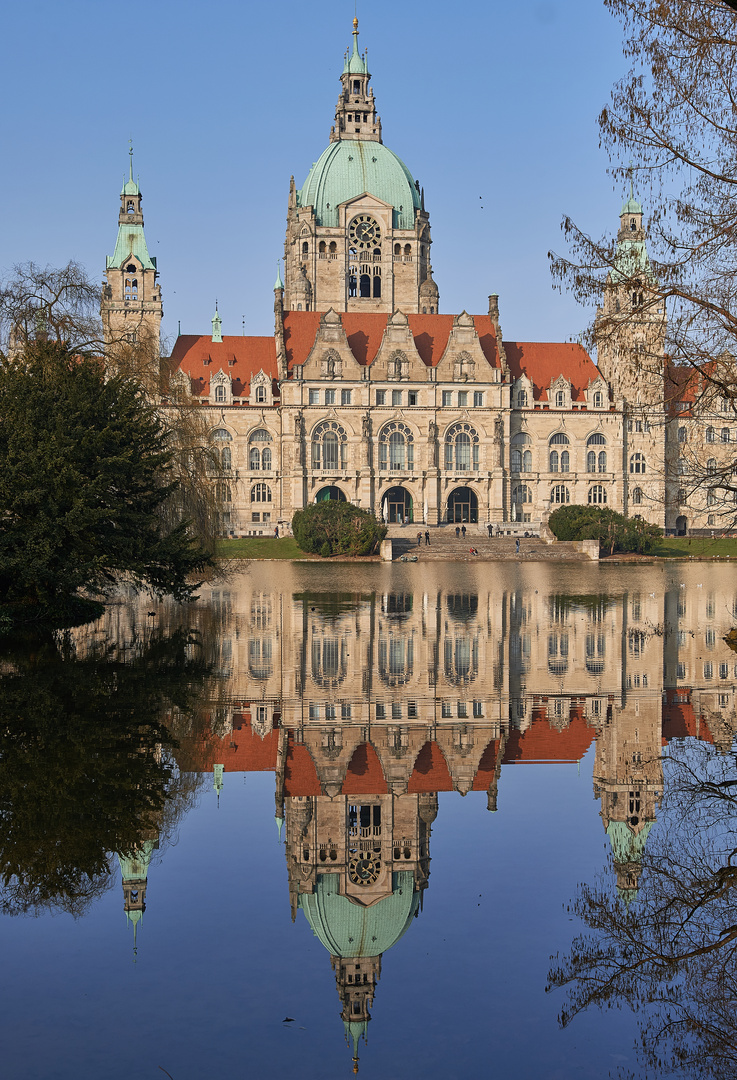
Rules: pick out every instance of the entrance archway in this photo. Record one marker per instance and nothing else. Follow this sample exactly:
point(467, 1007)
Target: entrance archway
point(396, 505)
point(463, 506)
point(332, 492)
point(681, 525)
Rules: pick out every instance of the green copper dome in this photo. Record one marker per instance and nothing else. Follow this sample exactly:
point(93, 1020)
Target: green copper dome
point(631, 206)
point(348, 929)
point(349, 168)
point(627, 846)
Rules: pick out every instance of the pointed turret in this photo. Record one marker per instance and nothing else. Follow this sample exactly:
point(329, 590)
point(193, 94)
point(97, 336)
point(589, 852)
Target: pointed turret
point(134, 869)
point(131, 306)
point(217, 325)
point(355, 113)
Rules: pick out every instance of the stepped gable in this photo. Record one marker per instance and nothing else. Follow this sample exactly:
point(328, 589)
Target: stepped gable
point(199, 357)
point(541, 741)
point(365, 333)
point(542, 362)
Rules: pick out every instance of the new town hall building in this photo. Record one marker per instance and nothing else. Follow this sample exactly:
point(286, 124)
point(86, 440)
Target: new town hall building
point(367, 392)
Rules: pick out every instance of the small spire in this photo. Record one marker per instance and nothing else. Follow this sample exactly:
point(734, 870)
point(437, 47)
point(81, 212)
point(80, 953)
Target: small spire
point(278, 284)
point(130, 154)
point(279, 823)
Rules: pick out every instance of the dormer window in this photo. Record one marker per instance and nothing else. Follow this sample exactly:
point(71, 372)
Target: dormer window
point(560, 399)
point(220, 393)
point(260, 394)
point(598, 399)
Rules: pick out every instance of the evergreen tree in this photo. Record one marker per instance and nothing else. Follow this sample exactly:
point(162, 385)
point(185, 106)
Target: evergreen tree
point(86, 487)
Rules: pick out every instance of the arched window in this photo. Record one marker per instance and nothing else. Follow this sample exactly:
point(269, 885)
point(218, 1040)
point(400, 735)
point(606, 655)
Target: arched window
point(682, 434)
point(222, 437)
point(131, 288)
point(681, 467)
point(521, 460)
point(219, 392)
point(396, 448)
point(597, 439)
point(365, 285)
point(711, 497)
point(260, 493)
point(305, 249)
point(521, 494)
point(329, 446)
point(397, 249)
point(560, 399)
point(260, 394)
point(560, 494)
point(598, 399)
point(377, 284)
point(591, 461)
point(462, 448)
point(559, 462)
point(637, 463)
point(257, 458)
point(710, 434)
point(637, 496)
point(565, 461)
point(711, 466)
point(321, 249)
point(407, 251)
point(725, 434)
point(597, 494)
point(333, 250)
point(521, 399)
point(602, 461)
point(130, 208)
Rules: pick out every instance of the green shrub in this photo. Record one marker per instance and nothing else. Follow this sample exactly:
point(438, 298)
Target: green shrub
point(337, 528)
point(614, 531)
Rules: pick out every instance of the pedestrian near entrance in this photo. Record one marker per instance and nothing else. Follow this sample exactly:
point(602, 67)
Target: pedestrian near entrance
point(490, 528)
point(458, 531)
point(427, 538)
point(276, 533)
point(516, 546)
point(463, 531)
point(419, 538)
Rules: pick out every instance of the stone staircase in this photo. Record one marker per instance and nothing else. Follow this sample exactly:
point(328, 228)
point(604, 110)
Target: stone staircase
point(445, 546)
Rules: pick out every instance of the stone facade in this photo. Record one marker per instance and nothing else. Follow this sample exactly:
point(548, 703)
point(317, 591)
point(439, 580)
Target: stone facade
point(367, 393)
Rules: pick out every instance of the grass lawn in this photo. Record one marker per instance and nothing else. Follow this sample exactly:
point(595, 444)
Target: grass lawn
point(261, 547)
point(681, 547)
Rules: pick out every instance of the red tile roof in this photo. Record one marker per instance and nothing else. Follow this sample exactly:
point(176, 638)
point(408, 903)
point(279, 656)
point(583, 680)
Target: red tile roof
point(243, 750)
point(365, 333)
point(200, 357)
point(365, 775)
point(300, 774)
point(542, 742)
point(542, 362)
point(680, 720)
point(430, 772)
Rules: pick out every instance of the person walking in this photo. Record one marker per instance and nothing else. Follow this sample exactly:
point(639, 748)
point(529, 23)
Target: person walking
point(490, 528)
point(516, 546)
point(427, 538)
point(419, 538)
point(463, 531)
point(458, 531)
point(276, 533)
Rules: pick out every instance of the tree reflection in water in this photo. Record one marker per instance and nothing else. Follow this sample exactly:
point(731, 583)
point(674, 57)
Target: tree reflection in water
point(668, 950)
point(93, 753)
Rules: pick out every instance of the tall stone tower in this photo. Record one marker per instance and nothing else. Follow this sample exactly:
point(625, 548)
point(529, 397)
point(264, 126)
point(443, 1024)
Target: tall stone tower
point(131, 306)
point(358, 234)
point(630, 325)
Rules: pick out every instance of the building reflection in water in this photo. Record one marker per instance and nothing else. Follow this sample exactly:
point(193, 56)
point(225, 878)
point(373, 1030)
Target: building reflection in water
point(366, 706)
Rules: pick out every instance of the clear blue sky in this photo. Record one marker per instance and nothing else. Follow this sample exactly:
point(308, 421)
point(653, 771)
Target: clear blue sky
point(224, 101)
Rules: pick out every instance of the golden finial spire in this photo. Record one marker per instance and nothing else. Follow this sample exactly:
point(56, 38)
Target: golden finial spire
point(355, 25)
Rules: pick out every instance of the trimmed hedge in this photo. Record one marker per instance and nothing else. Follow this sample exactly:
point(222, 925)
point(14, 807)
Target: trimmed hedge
point(614, 531)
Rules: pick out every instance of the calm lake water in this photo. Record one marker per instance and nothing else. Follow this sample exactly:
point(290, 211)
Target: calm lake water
point(399, 819)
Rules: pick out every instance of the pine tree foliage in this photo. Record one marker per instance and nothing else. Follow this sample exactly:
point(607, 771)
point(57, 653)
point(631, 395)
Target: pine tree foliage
point(86, 481)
